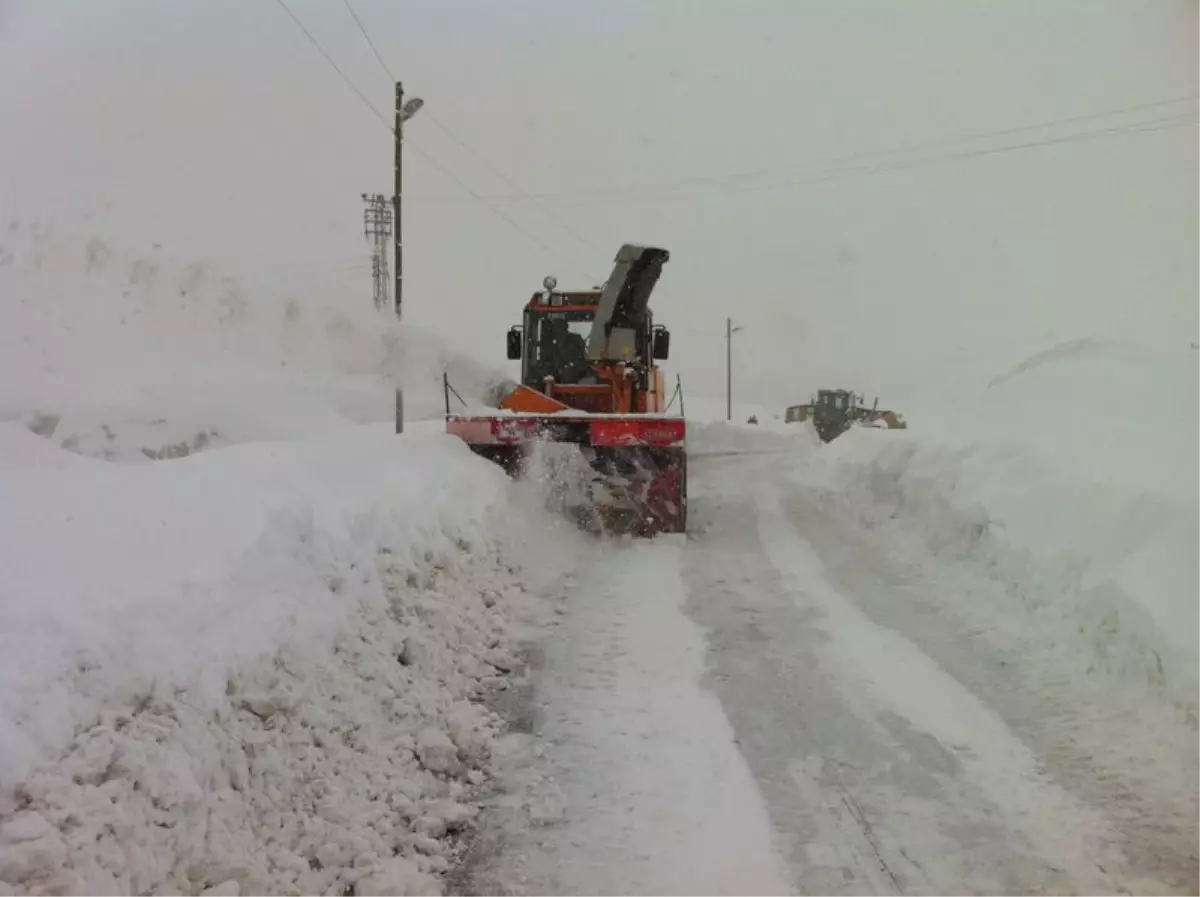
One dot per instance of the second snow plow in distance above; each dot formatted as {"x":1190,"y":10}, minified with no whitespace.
{"x":590,"y":379}
{"x":834,"y":411}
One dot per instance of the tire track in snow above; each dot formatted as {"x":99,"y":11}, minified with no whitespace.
{"x":802,"y":746}
{"x":880,"y":771}
{"x":1129,"y":759}
{"x":654,"y":795}
{"x":884,"y":672}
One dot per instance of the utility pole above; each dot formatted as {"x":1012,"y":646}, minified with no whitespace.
{"x":377,"y":226}
{"x":729,"y":369}
{"x":730,"y":330}
{"x":404,"y":111}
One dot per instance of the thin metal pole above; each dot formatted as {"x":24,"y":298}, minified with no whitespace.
{"x":398,"y":245}
{"x":729,"y":369}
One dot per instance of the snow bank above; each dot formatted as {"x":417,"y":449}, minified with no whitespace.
{"x":712,"y":409}
{"x":1071,"y":481}
{"x":131,"y":356}
{"x":709,"y":438}
{"x":251,"y":669}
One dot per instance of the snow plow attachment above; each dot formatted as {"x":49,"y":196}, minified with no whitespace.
{"x":637,"y":464}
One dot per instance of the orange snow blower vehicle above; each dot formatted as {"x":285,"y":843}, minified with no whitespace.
{"x":589,"y":379}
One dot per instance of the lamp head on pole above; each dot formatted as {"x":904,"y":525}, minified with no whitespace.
{"x":411,"y":108}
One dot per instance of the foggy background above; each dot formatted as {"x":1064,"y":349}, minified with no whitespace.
{"x":800,"y":160}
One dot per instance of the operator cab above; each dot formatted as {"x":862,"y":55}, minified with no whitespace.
{"x":835,"y":399}
{"x":552,"y":341}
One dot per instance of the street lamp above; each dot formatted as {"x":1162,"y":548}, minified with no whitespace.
{"x":730,"y":330}
{"x":404,"y":111}
{"x":411,"y":108}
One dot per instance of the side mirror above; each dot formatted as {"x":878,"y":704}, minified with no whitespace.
{"x":662,"y":344}
{"x":514,"y":344}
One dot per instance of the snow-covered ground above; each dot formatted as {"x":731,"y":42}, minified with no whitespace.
{"x":258,"y":665}
{"x":1069,"y":485}
{"x":253,"y":640}
{"x":631,"y":780}
{"x":899,"y":728}
{"x":246,"y":632}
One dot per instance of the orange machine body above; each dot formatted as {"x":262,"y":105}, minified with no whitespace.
{"x":589,"y":377}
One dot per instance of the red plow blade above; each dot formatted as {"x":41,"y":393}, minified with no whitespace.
{"x":639,"y":462}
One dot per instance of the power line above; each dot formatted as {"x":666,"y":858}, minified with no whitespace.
{"x":511,"y":183}
{"x":944,"y":158}
{"x":370,"y":43}
{"x":868,"y":170}
{"x":1141,"y":127}
{"x":428,"y":158}
{"x":335,"y":66}
{"x":449,"y":132}
{"x":450,"y":174}
{"x":718,"y":180}
{"x":964,"y":138}
{"x":838,"y":164}
{"x":924,"y":145}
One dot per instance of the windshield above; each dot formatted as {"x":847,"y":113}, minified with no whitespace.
{"x":559,"y":346}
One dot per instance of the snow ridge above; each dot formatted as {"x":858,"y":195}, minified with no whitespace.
{"x":1109,"y":570}
{"x":1068,"y":486}
{"x":255,"y":670}
{"x":321,"y":767}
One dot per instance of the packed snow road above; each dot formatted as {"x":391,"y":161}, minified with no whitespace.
{"x":779,"y":705}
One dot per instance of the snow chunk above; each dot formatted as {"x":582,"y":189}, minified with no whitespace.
{"x":24,"y":826}
{"x":436,"y":751}
{"x":32,"y":857}
{"x":229,"y":888}
{"x":396,"y":876}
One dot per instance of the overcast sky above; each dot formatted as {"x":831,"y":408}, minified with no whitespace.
{"x":868,"y":247}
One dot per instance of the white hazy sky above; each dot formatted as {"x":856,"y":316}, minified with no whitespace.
{"x":214,"y":128}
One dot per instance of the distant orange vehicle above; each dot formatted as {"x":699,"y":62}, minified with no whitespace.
{"x":589,"y":377}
